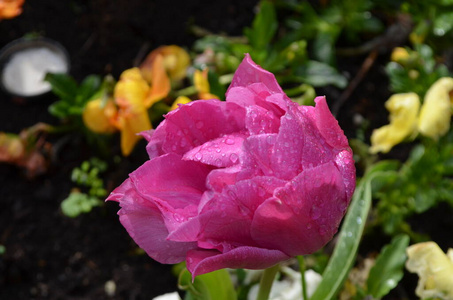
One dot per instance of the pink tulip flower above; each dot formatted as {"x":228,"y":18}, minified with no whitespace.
{"x":242,"y":183}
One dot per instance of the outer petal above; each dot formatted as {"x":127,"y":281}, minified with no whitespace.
{"x":435,"y":114}
{"x":173,"y":185}
{"x":403,"y":110}
{"x":328,"y":125}
{"x":249,"y":72}
{"x":144,"y":223}
{"x":204,"y":261}
{"x":305,"y":214}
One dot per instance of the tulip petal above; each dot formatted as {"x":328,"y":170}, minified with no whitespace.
{"x":310,"y":207}
{"x":144,"y":223}
{"x":221,"y":152}
{"x":328,"y":125}
{"x":226,"y":217}
{"x":204,"y":261}
{"x":249,"y":72}
{"x":198,"y":122}
{"x":174,"y":186}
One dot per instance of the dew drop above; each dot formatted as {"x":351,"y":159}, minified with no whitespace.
{"x":270,"y":140}
{"x":309,"y":226}
{"x":234,"y":157}
{"x":218,"y":150}
{"x":315,"y":212}
{"x":183,"y":143}
{"x":322,"y":230}
{"x":229,"y":141}
{"x":198,"y":156}
{"x":359,"y":220}
{"x":173,"y":147}
{"x":199,"y":124}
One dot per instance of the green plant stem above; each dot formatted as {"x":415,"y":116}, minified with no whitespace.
{"x":191,"y":90}
{"x":266,"y":282}
{"x":301,"y":261}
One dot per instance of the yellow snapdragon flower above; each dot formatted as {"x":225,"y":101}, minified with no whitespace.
{"x":403,"y":110}
{"x":175,"y":61}
{"x":407,"y":118}
{"x":98,"y":115}
{"x":131,"y":95}
{"x":435,"y":114}
{"x":434,"y":268}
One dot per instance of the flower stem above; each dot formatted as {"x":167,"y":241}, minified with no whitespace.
{"x":301,"y":261}
{"x":266,"y":282}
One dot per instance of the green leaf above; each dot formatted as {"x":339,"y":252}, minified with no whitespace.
{"x":319,"y":74}
{"x":388,"y":270}
{"x":216,"y":285}
{"x":78,"y":203}
{"x":442,"y":24}
{"x":264,"y":26}
{"x":63,"y":85}
{"x":89,"y":86}
{"x":348,"y":242}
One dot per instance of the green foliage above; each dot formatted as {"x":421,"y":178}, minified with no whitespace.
{"x":388,"y":269}
{"x":263,"y":28}
{"x":216,"y":285}
{"x":416,"y":73}
{"x":282,"y":54}
{"x":422,"y":181}
{"x":73,"y":97}
{"x":78,"y":203}
{"x":86,"y":176}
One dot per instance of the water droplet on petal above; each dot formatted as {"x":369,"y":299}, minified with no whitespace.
{"x":322,"y":230}
{"x":183,"y":143}
{"x":218,"y":150}
{"x":234,"y":157}
{"x":315,"y":212}
{"x":229,"y":141}
{"x":359,"y":220}
{"x":199,"y":124}
{"x":198,"y":156}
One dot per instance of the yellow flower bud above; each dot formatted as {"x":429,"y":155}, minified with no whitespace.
{"x":434,"y":268}
{"x":403,"y":110}
{"x":98,"y":115}
{"x":435,"y":114}
{"x":399,"y":54}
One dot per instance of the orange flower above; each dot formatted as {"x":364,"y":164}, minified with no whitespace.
{"x":175,"y":61}
{"x":200,"y":80}
{"x":133,"y":96}
{"x":10,"y":8}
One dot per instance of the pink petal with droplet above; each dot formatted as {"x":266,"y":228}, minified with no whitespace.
{"x":200,"y":121}
{"x":249,"y":72}
{"x":310,"y":207}
{"x":221,"y":152}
